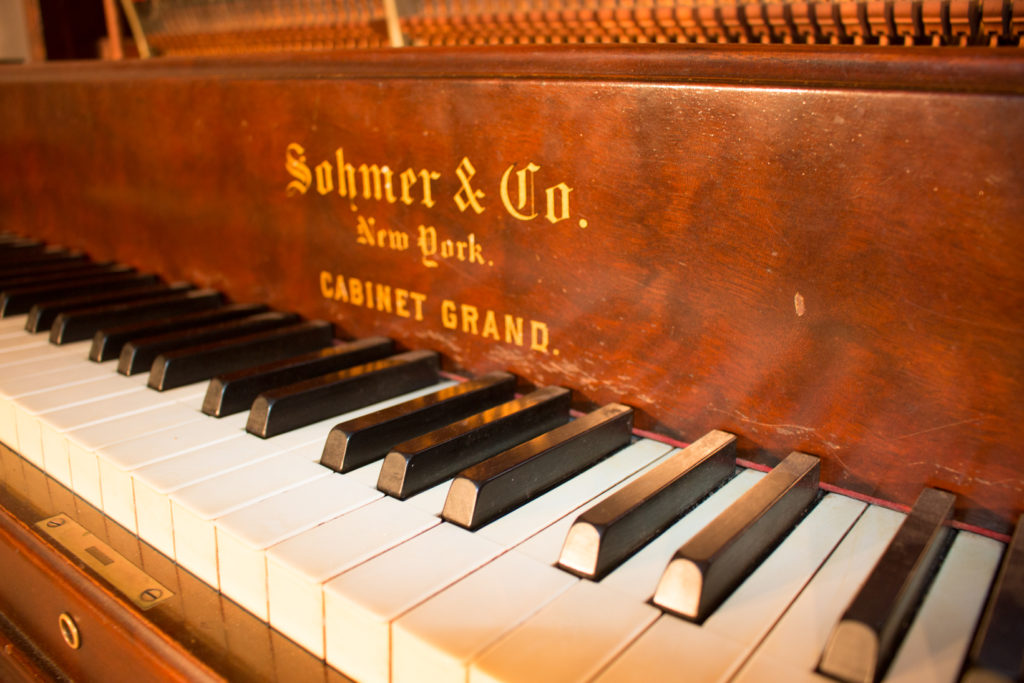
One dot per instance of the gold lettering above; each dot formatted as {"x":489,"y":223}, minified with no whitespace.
{"x":538,"y":336}
{"x":525,"y":178}
{"x":418,"y":300}
{"x":563,"y":192}
{"x":401,"y":296}
{"x":427,"y":242}
{"x":513,"y":330}
{"x":383,"y":295}
{"x":324,"y":177}
{"x":426,"y":176}
{"x":408,"y":178}
{"x":448,"y":316}
{"x":470,"y":314}
{"x":467,"y":197}
{"x":398,"y":240}
{"x":364,"y":228}
{"x":295,"y":164}
{"x":372,"y":295}
{"x":355,"y":289}
{"x":447,"y":249}
{"x":377,"y":183}
{"x":476,"y":251}
{"x":490,"y":326}
{"x":340,"y":291}
{"x":346,"y":176}
{"x":325,"y":285}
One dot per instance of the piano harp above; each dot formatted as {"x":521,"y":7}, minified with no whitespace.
{"x":814,"y":248}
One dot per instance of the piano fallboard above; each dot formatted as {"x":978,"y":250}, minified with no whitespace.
{"x":815,"y":249}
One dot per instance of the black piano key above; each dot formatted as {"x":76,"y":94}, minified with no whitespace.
{"x":108,"y":342}
{"x":705,"y":570}
{"x":195,"y":363}
{"x":42,"y":315}
{"x":16,"y":250}
{"x":297,"y":405}
{"x":487,"y":490}
{"x":84,"y":324}
{"x":56,"y":273}
{"x":997,"y":652}
{"x":26,"y":273}
{"x":608,"y":533}
{"x":416,"y":465}
{"x":234,"y":392}
{"x":17,"y":301}
{"x":138,"y":355}
{"x":864,"y":641}
{"x":363,"y":440}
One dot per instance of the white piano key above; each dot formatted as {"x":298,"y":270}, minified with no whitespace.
{"x":430,"y":616}
{"x":85,"y":443}
{"x":436,"y":641}
{"x":118,"y":461}
{"x":357,"y":630}
{"x":153,"y":484}
{"x":52,"y":362}
{"x":244,"y":535}
{"x":45,"y":363}
{"x":14,"y":323}
{"x":358,"y":607}
{"x":14,"y":386}
{"x":25,"y":340}
{"x":367,"y":475}
{"x":549,"y":507}
{"x":546,"y":546}
{"x":797,"y":640}
{"x":194,"y":508}
{"x":591,"y":624}
{"x":773,"y":670}
{"x":28,"y":410}
{"x":712,"y":651}
{"x":7,"y":332}
{"x":936,"y":645}
{"x":43,"y":353}
{"x":298,"y":567}
{"x":638,"y":576}
{"x":621,"y":597}
{"x":52,"y":378}
{"x":55,"y":425}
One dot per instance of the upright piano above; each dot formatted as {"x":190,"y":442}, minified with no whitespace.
{"x":800,"y":260}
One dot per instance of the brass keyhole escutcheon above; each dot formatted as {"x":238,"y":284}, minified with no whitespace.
{"x":69,"y":631}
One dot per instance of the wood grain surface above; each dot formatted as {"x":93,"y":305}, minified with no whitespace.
{"x":817,"y":250}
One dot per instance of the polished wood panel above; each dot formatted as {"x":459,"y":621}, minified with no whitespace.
{"x":815,"y":249}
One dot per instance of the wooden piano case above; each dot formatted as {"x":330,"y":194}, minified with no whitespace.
{"x":814,"y":248}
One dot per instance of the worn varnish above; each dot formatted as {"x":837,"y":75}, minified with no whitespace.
{"x":816,"y":250}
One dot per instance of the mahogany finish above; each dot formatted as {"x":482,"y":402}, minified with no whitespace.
{"x":817,"y":249}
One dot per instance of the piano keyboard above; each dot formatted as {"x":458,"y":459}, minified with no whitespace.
{"x":387,"y":589}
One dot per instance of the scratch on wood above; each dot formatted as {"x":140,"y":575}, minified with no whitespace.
{"x":940,"y":427}
{"x":787,"y":429}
